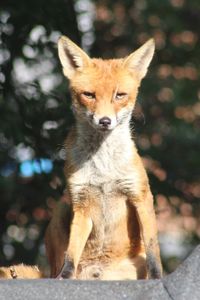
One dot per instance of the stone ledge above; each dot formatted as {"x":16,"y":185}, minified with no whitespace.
{"x":183,"y":284}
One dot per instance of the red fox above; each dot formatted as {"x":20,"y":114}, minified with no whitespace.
{"x":20,"y":272}
{"x":107,"y":227}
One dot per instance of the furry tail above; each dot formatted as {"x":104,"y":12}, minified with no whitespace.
{"x":20,"y":272}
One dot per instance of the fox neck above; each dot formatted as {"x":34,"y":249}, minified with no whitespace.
{"x":92,"y":139}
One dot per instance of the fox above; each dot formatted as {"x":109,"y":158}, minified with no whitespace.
{"x":20,"y":271}
{"x":106,"y":229}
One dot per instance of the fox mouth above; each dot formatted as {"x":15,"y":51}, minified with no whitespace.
{"x":104,"y":129}
{"x":101,"y":128}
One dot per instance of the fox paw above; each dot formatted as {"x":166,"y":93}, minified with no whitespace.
{"x":67,"y":271}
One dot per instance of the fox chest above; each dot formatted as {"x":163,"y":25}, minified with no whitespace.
{"x":104,"y":164}
{"x":104,"y":188}
{"x":104,"y":183}
{"x":104,"y":175}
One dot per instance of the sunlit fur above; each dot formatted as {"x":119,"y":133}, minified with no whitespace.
{"x":20,"y":272}
{"x":104,"y":79}
{"x":107,"y":227}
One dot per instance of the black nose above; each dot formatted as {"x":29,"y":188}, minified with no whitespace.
{"x":105,"y":121}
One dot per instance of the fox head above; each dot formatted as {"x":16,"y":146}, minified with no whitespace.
{"x":103,"y":91}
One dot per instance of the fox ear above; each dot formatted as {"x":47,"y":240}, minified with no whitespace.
{"x":140,"y":59}
{"x":71,"y":56}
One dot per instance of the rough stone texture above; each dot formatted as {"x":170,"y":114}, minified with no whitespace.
{"x":81,"y":290}
{"x":183,"y":284}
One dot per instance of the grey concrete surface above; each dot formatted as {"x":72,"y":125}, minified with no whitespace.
{"x":182,"y":284}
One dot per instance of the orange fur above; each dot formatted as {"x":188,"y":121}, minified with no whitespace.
{"x":107,"y":228}
{"x":20,"y":272}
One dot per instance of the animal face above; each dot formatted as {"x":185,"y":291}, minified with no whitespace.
{"x":103,"y":91}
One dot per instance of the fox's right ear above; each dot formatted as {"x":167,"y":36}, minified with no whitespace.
{"x":71,"y":56}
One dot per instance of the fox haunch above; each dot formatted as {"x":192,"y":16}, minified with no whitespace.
{"x":20,"y":271}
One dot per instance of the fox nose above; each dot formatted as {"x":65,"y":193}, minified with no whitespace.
{"x":105,"y":121}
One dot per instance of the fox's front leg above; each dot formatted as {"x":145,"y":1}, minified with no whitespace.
{"x":80,"y":230}
{"x":147,"y":220}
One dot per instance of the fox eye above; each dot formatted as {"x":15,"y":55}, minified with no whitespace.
{"x":120,"y":96}
{"x":89,"y":95}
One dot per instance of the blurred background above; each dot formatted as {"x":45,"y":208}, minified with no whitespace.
{"x":35,"y":113}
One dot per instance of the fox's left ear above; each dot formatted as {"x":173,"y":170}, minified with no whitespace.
{"x":139,"y":60}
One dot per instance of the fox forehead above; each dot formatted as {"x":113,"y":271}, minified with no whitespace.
{"x":104,"y":75}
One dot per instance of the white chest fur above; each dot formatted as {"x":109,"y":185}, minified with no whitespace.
{"x":105,"y":163}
